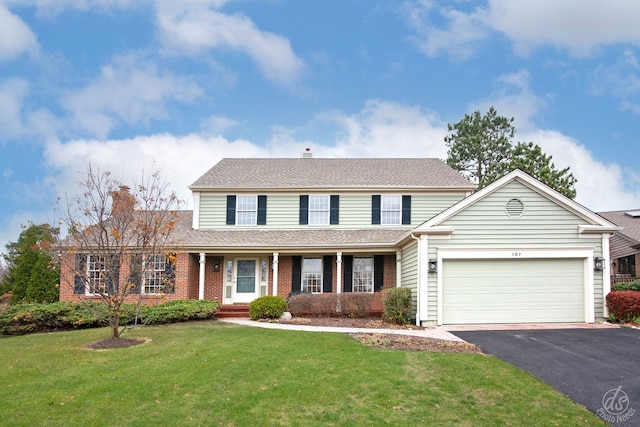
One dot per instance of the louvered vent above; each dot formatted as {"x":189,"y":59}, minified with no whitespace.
{"x":514,"y":208}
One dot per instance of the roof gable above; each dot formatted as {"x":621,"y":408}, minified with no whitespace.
{"x":313,"y":173}
{"x":595,"y":222}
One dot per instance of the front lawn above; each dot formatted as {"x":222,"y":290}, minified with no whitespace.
{"x":212,"y":373}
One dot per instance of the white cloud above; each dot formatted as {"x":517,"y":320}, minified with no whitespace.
{"x":12,"y":95}
{"x":130,"y":90}
{"x":193,"y":27}
{"x":514,"y":98}
{"x":621,"y":80}
{"x":600,"y":187}
{"x":460,"y":37}
{"x":388,"y":129}
{"x":15,"y":36}
{"x":580,"y":28}
{"x":217,"y":125}
{"x":181,"y":159}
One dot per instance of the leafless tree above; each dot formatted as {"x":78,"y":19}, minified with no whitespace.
{"x":119,"y":240}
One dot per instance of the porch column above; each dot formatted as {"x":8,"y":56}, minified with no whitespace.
{"x":275,"y":273}
{"x":339,"y":272}
{"x":203,"y":261}
{"x":398,"y":269}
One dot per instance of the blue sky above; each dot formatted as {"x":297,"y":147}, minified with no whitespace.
{"x":133,"y":85}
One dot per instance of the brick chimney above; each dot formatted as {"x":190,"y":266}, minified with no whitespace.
{"x":122,"y":201}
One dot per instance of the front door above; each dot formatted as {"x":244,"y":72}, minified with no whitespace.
{"x":246,"y":286}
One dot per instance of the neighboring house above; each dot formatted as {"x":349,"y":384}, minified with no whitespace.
{"x":513,"y":252}
{"x":625,"y":245}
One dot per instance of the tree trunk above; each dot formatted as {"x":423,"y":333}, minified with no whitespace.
{"x":115,"y":328}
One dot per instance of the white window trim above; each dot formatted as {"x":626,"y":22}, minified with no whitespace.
{"x":146,"y":271}
{"x":89,"y":282}
{"x":255,"y":198}
{"x":382,"y":210}
{"x":321,"y":274}
{"x":372,"y":274}
{"x":327,"y":219}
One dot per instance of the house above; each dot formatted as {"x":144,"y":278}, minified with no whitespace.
{"x":514,"y":252}
{"x":625,"y":245}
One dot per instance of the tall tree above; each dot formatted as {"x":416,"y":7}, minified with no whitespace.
{"x":111,"y":226}
{"x":481,"y":148}
{"x":480,"y":145}
{"x":32,"y":275}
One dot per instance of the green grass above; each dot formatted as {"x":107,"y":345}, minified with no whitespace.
{"x":212,"y":373}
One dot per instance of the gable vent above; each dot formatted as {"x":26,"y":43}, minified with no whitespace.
{"x":514,"y":208}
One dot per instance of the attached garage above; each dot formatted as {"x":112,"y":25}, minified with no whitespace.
{"x":513,"y":290}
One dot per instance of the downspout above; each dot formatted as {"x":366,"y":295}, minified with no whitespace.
{"x":417,"y":239}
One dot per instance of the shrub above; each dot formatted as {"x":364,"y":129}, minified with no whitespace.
{"x":398,"y":307}
{"x":267,"y":307}
{"x":624,"y":305}
{"x":179,"y":311}
{"x":29,"y":318}
{"x":356,"y":304}
{"x":626,"y":286}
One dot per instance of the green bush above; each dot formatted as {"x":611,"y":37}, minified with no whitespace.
{"x":179,"y":311}
{"x":267,"y":307}
{"x":347,"y":304}
{"x":626,"y":286}
{"x":28,"y":318}
{"x":398,"y":307}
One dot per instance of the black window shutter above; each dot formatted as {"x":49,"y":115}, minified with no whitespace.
{"x":113,"y":275}
{"x":347,"y":266}
{"x":327,"y":274}
{"x":231,"y":210}
{"x":296,"y":273}
{"x":170,"y":273}
{"x":304,"y":209}
{"x":406,"y":209}
{"x":135,"y":273}
{"x":378,"y":272}
{"x":334,"y":213}
{"x":375,"y":209}
{"x":262,"y":210}
{"x":80,"y":274}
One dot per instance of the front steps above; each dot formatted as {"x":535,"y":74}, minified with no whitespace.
{"x":233,"y":310}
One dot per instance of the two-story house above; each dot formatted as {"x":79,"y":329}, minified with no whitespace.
{"x":514,"y":252}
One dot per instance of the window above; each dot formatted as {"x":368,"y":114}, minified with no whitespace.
{"x":391,"y":210}
{"x":362,"y":274}
{"x":158,"y":274}
{"x":96,"y":275}
{"x":318,"y":210}
{"x":312,"y":275}
{"x":246,"y":210}
{"x":627,"y":265}
{"x":154,"y":278}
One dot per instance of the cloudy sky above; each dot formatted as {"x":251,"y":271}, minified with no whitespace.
{"x":139,"y":85}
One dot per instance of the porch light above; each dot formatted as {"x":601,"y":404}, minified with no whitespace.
{"x":216,"y":265}
{"x":598,"y":263}
{"x":433,"y":265}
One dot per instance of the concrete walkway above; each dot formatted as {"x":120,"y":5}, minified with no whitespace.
{"x":436,"y":332}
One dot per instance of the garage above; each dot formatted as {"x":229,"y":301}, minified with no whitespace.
{"x":513,"y":290}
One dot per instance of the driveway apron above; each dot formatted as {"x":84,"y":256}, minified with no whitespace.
{"x":599,"y":368}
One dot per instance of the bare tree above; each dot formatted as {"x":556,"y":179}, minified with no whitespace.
{"x":118,"y":240}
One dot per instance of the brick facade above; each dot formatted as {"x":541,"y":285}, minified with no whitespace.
{"x":187,"y":276}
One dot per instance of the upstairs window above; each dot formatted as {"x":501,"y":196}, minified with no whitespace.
{"x":318,"y":210}
{"x":246,"y":210}
{"x":391,"y":210}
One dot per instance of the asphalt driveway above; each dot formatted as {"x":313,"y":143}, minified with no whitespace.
{"x":599,"y":368}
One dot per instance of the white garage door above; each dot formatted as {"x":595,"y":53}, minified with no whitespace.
{"x":513,"y":291}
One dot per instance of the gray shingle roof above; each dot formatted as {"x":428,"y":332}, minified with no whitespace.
{"x":185,"y":236}
{"x":630,"y":223}
{"x":297,"y":173}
